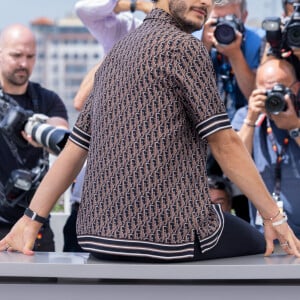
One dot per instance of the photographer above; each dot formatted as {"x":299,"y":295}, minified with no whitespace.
{"x":269,"y":127}
{"x":235,"y":51}
{"x":282,"y":34}
{"x":21,"y":156}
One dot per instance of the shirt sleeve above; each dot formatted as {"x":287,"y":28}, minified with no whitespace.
{"x":106,"y":26}
{"x":197,"y":82}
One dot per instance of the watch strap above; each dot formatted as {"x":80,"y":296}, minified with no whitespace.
{"x":133,"y":5}
{"x":34,"y":216}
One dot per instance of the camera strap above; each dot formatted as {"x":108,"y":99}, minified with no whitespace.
{"x":32,"y":93}
{"x":279,"y":158}
{"x":13,"y":148}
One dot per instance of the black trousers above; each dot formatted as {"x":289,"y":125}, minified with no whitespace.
{"x":69,"y":231}
{"x":44,"y":241}
{"x":239,"y":238}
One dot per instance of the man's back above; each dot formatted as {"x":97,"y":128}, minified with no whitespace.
{"x":149,"y":155}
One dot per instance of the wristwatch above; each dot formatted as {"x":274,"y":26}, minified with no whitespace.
{"x":294,"y":133}
{"x":34,"y":216}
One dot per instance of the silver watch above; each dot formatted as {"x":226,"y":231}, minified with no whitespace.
{"x":294,"y":133}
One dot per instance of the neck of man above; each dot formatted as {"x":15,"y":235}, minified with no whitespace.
{"x":13,"y":89}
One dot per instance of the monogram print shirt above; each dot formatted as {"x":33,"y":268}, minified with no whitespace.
{"x":145,"y":124}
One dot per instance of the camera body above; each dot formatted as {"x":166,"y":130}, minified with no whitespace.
{"x":23,"y":182}
{"x":291,"y":30}
{"x":14,"y":119}
{"x":284,"y":38}
{"x":275,"y":102}
{"x":226,"y":28}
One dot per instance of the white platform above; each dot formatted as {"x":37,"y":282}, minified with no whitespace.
{"x":77,"y":276}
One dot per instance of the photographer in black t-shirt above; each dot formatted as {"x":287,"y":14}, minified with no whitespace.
{"x":23,"y":160}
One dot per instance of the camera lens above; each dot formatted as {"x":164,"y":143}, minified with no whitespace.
{"x":275,"y":103}
{"x":49,"y":136}
{"x":293,"y":35}
{"x":225,"y":33}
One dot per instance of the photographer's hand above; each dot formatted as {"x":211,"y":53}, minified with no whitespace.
{"x":256,"y":104}
{"x":29,"y":139}
{"x":256,"y":107}
{"x":232,"y":49}
{"x":287,"y":119}
{"x":208,"y":33}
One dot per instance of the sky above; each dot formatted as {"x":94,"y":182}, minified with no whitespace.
{"x":24,"y":11}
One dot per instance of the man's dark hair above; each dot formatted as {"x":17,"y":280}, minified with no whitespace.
{"x":220,"y":183}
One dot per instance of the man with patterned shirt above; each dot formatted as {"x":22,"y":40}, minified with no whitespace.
{"x":145,"y":195}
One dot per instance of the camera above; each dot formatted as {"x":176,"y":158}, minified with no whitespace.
{"x":286,"y":37}
{"x":49,"y":136}
{"x":14,"y":119}
{"x":22,"y":183}
{"x":275,"y":102}
{"x":226,"y":28}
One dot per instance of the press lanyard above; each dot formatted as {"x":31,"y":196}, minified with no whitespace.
{"x":279,"y":158}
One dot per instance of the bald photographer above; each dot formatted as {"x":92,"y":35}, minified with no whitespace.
{"x":33,"y":122}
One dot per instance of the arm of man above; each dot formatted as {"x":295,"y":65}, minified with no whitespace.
{"x":125,"y":5}
{"x":234,"y":159}
{"x":245,"y":76}
{"x":103,"y":23}
{"x":57,"y":180}
{"x":288,"y":119}
{"x":256,"y":108}
{"x":85,"y":88}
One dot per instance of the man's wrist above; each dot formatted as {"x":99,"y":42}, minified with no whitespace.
{"x":34,"y":216}
{"x":133,"y":5}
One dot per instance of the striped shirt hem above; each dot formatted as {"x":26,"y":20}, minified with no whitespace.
{"x":136,"y":248}
{"x":211,"y":241}
{"x":213,"y":124}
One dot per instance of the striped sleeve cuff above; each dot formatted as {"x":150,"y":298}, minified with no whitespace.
{"x":213,"y":124}
{"x":80,"y":138}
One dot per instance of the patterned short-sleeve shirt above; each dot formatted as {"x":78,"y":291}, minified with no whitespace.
{"x":145,"y":125}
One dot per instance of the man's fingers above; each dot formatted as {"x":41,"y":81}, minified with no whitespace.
{"x":269,"y":248}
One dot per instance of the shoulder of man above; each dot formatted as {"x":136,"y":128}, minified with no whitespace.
{"x":254,"y":34}
{"x":36,"y":90}
{"x":49,"y":102}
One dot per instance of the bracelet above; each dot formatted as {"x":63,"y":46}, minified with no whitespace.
{"x":272,"y":218}
{"x":34,"y":216}
{"x":280,"y":222}
{"x":133,"y":6}
{"x":248,"y":123}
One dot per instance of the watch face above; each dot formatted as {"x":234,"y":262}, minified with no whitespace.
{"x":294,"y":133}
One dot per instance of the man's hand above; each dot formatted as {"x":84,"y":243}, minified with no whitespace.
{"x":21,"y":237}
{"x":287,"y":119}
{"x":256,"y":104}
{"x":283,"y":233}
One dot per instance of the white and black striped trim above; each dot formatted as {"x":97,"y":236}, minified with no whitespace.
{"x":136,"y":248}
{"x":211,"y":241}
{"x":80,"y":138}
{"x":213,"y":124}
